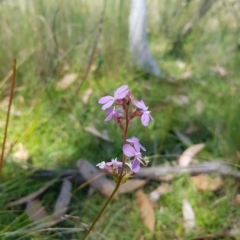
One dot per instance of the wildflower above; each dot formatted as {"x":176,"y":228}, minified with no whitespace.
{"x":130,"y":151}
{"x":110,"y":167}
{"x":119,"y":94}
{"x":136,"y":143}
{"x":104,"y":166}
{"x":114,"y":162}
{"x":135,"y":166}
{"x":146,"y":116}
{"x":112,"y":113}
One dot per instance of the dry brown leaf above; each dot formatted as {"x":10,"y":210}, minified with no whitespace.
{"x":32,"y":195}
{"x":186,"y":157}
{"x":237,"y":199}
{"x":156,"y":194}
{"x":35,"y":210}
{"x":63,"y":200}
{"x":146,"y":210}
{"x":86,"y":95}
{"x":204,"y":182}
{"x":188,"y":215}
{"x":131,"y":185}
{"x":98,"y":134}
{"x":100,"y":182}
{"x":66,"y":81}
{"x":21,"y":155}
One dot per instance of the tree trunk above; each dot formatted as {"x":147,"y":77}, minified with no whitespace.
{"x":138,"y":38}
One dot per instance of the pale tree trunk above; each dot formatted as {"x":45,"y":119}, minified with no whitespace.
{"x":138,"y":38}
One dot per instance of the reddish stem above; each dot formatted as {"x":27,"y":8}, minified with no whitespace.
{"x":8,"y":112}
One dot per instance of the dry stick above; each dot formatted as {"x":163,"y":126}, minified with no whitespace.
{"x":8,"y":112}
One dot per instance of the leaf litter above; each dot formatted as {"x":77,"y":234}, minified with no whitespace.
{"x":146,"y":210}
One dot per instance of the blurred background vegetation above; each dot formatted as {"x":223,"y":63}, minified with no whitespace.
{"x":197,"y":45}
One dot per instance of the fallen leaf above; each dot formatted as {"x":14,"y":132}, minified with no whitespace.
{"x":146,"y":210}
{"x":188,"y":215}
{"x":237,"y":199}
{"x":98,"y":134}
{"x":63,"y":199}
{"x":32,"y":195}
{"x":21,"y":155}
{"x":86,"y":95}
{"x":35,"y":210}
{"x":158,"y":192}
{"x":66,"y":81}
{"x":204,"y":182}
{"x":131,"y":185}
{"x":95,"y":178}
{"x":186,"y":157}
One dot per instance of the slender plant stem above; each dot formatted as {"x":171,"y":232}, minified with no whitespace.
{"x":125,"y":132}
{"x":8,"y":112}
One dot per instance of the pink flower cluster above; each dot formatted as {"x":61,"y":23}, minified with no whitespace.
{"x":121,"y":96}
{"x":118,"y":107}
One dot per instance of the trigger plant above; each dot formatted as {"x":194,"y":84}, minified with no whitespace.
{"x":122,"y":109}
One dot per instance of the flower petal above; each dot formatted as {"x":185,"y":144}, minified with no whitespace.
{"x":101,"y":165}
{"x":141,"y":105}
{"x":135,"y":166}
{"x":108,"y":104}
{"x":145,"y":119}
{"x":120,"y":95}
{"x":128,"y":150}
{"x":142,"y":147}
{"x":121,"y":89}
{"x":130,"y":140}
{"x":108,"y":118}
{"x":105,"y":99}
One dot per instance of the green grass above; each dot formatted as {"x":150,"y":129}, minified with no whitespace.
{"x":43,"y":37}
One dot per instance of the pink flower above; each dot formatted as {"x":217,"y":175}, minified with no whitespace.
{"x":115,"y":162}
{"x":119,"y":94}
{"x":135,"y":166}
{"x":146,"y":116}
{"x":104,"y":166}
{"x":130,"y":151}
{"x":112,"y":113}
{"x":136,"y":144}
{"x":107,"y":166}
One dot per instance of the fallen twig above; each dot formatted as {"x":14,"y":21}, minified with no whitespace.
{"x":154,"y":172}
{"x":206,"y":167}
